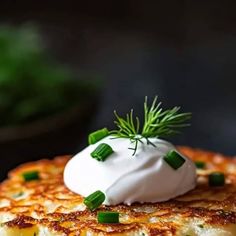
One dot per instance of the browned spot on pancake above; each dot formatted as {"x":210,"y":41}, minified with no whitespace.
{"x":21,"y":222}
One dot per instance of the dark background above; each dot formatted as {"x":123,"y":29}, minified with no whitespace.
{"x":184,"y":51}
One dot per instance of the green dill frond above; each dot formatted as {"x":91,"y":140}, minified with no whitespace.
{"x":157,"y":124}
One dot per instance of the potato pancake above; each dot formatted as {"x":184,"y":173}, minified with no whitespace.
{"x":46,"y":207}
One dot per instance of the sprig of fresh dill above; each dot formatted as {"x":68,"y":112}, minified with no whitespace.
{"x":158,"y":123}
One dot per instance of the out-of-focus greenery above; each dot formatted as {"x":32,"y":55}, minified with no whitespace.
{"x":32,"y":86}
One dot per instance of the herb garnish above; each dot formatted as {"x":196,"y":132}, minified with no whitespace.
{"x":94,"y":200}
{"x":108,"y":217}
{"x":102,"y":151}
{"x":158,"y":123}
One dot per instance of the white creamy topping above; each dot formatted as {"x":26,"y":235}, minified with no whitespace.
{"x":144,"y":177}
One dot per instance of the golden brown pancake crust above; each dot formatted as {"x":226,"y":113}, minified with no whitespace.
{"x":48,"y":203}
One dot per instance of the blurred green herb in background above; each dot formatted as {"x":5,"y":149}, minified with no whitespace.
{"x":32,"y":86}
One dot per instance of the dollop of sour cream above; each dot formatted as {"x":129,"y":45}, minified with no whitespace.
{"x":144,"y":177}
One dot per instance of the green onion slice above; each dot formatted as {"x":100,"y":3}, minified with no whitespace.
{"x":94,"y":200}
{"x":174,"y":159}
{"x":200,"y":164}
{"x":102,"y":151}
{"x":216,"y":179}
{"x":97,"y":135}
{"x":30,"y":175}
{"x":108,"y":217}
{"x":19,"y":194}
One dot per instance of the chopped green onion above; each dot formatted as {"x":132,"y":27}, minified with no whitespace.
{"x":108,"y":217}
{"x":94,"y":200}
{"x":216,"y":179}
{"x":102,"y":151}
{"x":200,"y":164}
{"x":30,"y":175}
{"x":97,"y":135}
{"x":19,"y":194}
{"x":174,"y":159}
